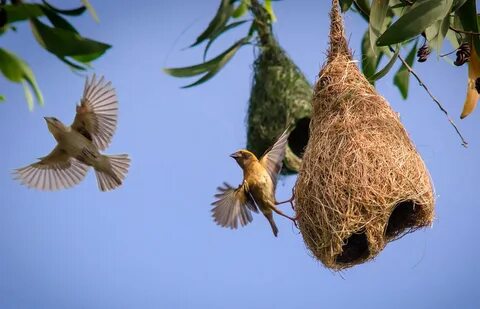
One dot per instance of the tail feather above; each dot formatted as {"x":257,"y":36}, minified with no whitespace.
{"x":111,"y":178}
{"x":272,"y":224}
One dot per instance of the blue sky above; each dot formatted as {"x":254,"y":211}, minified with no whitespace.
{"x":152,"y":243}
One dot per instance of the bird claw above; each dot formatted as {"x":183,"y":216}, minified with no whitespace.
{"x":295,"y":222}
{"x":290,"y":200}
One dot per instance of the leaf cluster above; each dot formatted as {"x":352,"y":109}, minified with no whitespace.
{"x":59,"y":37}
{"x":403,"y":23}
{"x":230,"y":14}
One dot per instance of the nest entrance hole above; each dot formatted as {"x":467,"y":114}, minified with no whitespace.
{"x":298,"y":138}
{"x":404,"y":216}
{"x":354,"y":249}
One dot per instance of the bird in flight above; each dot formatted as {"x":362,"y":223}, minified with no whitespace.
{"x":79,"y":145}
{"x":234,"y":206}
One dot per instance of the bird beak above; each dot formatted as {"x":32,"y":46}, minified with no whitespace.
{"x":47,"y":119}
{"x":235,"y":155}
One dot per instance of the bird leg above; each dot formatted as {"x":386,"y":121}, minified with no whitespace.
{"x":290,"y":200}
{"x":294,"y":220}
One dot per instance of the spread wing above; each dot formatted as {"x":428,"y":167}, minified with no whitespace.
{"x":272,"y":160}
{"x":97,"y":113}
{"x":233,"y":206}
{"x":53,"y":172}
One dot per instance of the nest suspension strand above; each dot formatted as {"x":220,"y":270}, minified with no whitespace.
{"x":362,"y":183}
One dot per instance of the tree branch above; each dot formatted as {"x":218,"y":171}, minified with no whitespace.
{"x":409,"y":68}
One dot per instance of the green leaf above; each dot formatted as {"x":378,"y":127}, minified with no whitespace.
{"x":210,"y":67}
{"x":218,"y":22}
{"x":87,"y":58}
{"x":269,"y":8}
{"x":436,"y":33}
{"x":71,"y":64}
{"x":28,"y":96}
{"x":2,"y":98}
{"x":402,"y":77}
{"x":421,"y":15}
{"x":71,"y":12}
{"x":457,"y":4}
{"x":363,"y":7}
{"x":468,"y":17}
{"x":370,"y":60}
{"x":19,"y":12}
{"x":192,"y":70}
{"x":90,"y":9}
{"x":205,"y":66}
{"x":62,"y":42}
{"x":377,"y":23}
{"x":57,"y":20}
{"x":399,"y":5}
{"x":387,"y":67}
{"x":16,"y":70}
{"x":225,"y":29}
{"x":241,"y":9}
{"x":345,"y":5}
{"x":453,"y":39}
{"x":204,"y":78}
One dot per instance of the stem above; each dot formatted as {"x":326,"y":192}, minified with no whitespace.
{"x":262,"y":21}
{"x":463,"y":31}
{"x":449,"y":53}
{"x":409,"y":68}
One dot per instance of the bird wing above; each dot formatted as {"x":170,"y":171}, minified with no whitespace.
{"x":233,"y":206}
{"x":55,"y":171}
{"x":272,"y":160}
{"x":96,"y":117}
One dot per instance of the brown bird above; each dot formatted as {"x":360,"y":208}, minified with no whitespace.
{"x":257,"y":191}
{"x":79,"y":145}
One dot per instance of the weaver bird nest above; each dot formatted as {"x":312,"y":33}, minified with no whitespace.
{"x":362,"y":183}
{"x":280,"y":97}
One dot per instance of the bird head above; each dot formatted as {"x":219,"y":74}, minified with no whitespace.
{"x":55,"y":126}
{"x":243,"y":157}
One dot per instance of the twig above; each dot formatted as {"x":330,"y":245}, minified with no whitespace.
{"x":463,"y":31}
{"x":409,"y":68}
{"x":444,"y":55}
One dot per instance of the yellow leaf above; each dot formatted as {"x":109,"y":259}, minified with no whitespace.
{"x":472,"y":93}
{"x":269,"y":8}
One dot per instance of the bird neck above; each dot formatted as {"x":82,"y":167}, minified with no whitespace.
{"x":249,"y":166}
{"x":57,"y":133}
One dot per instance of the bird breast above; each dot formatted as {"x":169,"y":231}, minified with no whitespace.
{"x":78,"y":146}
{"x":260,"y":184}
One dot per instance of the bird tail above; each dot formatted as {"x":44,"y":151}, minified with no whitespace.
{"x":112,"y":171}
{"x":272,"y":223}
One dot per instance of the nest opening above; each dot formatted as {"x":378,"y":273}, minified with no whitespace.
{"x":298,"y":138}
{"x":405,"y":216}
{"x":354,"y":249}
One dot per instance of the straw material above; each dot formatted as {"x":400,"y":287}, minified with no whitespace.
{"x":361,"y":183}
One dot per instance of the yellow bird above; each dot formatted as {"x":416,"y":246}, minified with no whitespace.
{"x":79,"y":145}
{"x":257,"y":191}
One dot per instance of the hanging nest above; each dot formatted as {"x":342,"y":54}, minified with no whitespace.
{"x":280,"y":97}
{"x":362,"y":183}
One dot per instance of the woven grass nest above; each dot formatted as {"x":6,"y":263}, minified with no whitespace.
{"x":362,"y":183}
{"x":280,"y":97}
